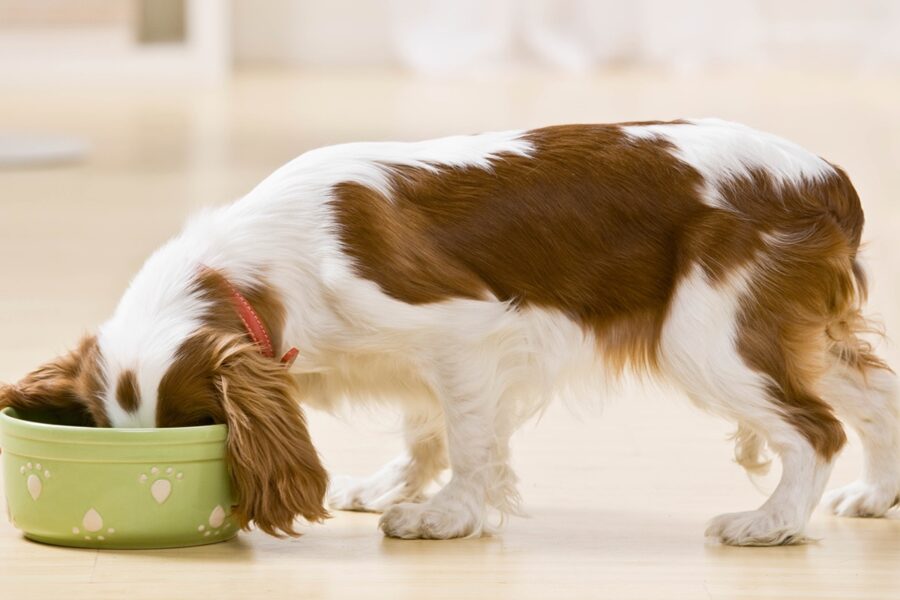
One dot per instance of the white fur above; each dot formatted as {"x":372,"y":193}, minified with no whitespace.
{"x":366,"y":162}
{"x":720,"y":150}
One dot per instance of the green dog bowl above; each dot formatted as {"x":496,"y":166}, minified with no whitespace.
{"x":115,"y":488}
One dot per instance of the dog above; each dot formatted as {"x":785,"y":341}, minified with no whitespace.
{"x":471,"y":279}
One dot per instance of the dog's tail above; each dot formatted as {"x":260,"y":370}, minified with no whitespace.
{"x":849,"y":328}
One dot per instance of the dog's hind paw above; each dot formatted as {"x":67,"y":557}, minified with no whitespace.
{"x":862,"y":499}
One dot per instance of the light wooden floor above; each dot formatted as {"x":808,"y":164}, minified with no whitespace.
{"x":618,"y":500}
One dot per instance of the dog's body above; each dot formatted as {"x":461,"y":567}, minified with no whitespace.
{"x":472,"y":278}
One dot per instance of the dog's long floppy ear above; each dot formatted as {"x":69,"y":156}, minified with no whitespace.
{"x":67,"y":387}
{"x":275,"y":469}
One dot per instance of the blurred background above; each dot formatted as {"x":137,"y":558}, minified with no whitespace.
{"x":120,"y":117}
{"x":207,"y":38}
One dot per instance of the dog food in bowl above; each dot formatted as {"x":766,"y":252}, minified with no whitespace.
{"x":115,"y":488}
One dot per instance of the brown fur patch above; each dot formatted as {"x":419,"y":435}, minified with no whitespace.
{"x":602,"y":227}
{"x":69,"y":386}
{"x":127,"y":394}
{"x":219,"y":376}
{"x":585,"y":228}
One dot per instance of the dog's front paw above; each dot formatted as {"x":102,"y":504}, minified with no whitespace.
{"x":862,"y":499}
{"x":371,"y":494}
{"x":345,"y":493}
{"x":755,"y":528}
{"x":429,"y":520}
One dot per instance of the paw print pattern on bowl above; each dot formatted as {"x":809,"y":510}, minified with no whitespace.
{"x":161,"y":484}
{"x":92,"y":527}
{"x":216,"y":523}
{"x":34,"y":481}
{"x":94,"y":483}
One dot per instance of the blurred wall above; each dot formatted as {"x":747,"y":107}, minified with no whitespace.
{"x":312,"y":32}
{"x":133,"y":41}
{"x":63,"y":13}
{"x":443,"y":35}
{"x":201,"y":39}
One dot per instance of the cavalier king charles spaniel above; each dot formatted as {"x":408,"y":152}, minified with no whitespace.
{"x":471,"y":279}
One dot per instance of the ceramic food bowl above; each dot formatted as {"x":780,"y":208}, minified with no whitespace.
{"x":115,"y":488}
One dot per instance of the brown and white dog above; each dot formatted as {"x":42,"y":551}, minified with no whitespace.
{"x":470,"y":279}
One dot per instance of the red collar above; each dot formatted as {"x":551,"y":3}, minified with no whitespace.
{"x":256,"y":329}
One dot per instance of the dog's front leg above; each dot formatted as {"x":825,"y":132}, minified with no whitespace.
{"x":470,"y":396}
{"x":405,"y":478}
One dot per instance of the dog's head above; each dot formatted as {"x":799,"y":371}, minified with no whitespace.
{"x":213,"y":374}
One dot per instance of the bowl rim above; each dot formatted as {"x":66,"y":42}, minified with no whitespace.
{"x":14,"y":425}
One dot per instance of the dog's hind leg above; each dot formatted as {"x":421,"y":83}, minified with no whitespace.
{"x":864,"y":392}
{"x":783,"y":516}
{"x":742,"y":368}
{"x":403,"y":479}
